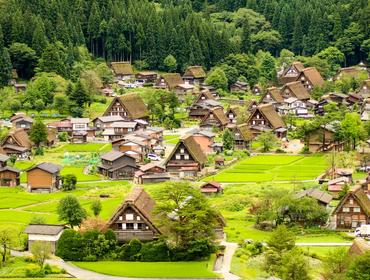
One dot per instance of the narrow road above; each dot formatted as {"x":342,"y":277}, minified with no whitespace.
{"x":224,"y":270}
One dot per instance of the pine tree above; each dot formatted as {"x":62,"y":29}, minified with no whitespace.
{"x":39,"y":40}
{"x":246,"y":37}
{"x":5,"y":68}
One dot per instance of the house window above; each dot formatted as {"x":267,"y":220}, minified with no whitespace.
{"x":135,"y":226}
{"x":253,"y":122}
{"x":178,"y":156}
{"x":138,"y":218}
{"x":351,"y":201}
{"x":263,"y":122}
{"x":123,"y":226}
{"x":129,"y":226}
{"x":341,"y":222}
{"x":356,"y":210}
{"x":120,"y":218}
{"x":182,"y":150}
{"x":258,"y":116}
{"x":129,"y":217}
{"x":345,"y":209}
{"x":186,"y":156}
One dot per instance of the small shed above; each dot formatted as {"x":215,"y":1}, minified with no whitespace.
{"x":47,"y":233}
{"x":219,"y":161}
{"x":211,"y":187}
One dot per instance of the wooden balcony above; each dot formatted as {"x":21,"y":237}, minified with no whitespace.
{"x":126,"y":235}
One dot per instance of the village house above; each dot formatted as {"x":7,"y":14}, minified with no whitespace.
{"x":336,"y":97}
{"x":81,"y":130}
{"x":251,"y":105}
{"x":130,"y":106}
{"x":353,"y":210}
{"x":323,"y":140}
{"x":232,"y":114}
{"x":321,"y":197}
{"x":239,"y":86}
{"x":219,"y":161}
{"x":310,"y":78}
{"x":122,"y":70}
{"x":272,"y":96}
{"x":187,"y":159}
{"x":108,"y":92}
{"x":335,"y":186}
{"x":134,"y":218}
{"x":117,"y":165}
{"x":211,"y":188}
{"x":9,"y":176}
{"x":146,"y":77}
{"x":45,"y":233}
{"x":63,"y":125}
{"x":365,"y":88}
{"x":354,"y":98}
{"x":203,"y":138}
{"x":256,"y":90}
{"x":204,"y":103}
{"x":134,"y":145}
{"x":215,"y":118}
{"x":265,"y":118}
{"x":242,"y":136}
{"x":44,"y":177}
{"x":169,"y":81}
{"x":296,"y":90}
{"x":291,"y":73}
{"x":18,"y":143}
{"x":354,"y":72}
{"x":294,"y":107}
{"x":151,"y":173}
{"x":211,"y":89}
{"x":119,"y":129}
{"x":24,"y":122}
{"x":194,"y":75}
{"x":20,"y":87}
{"x":103,"y":122}
{"x":182,"y":90}
{"x":51,"y":137}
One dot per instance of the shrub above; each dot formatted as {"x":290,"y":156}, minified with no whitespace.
{"x":131,"y":251}
{"x":39,"y":151}
{"x":70,"y":246}
{"x":69,"y":182}
{"x":90,"y":258}
{"x":196,"y":250}
{"x":63,"y":136}
{"x":34,"y":271}
{"x":156,"y":251}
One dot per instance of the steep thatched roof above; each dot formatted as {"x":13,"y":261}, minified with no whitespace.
{"x":244,"y":131}
{"x":122,"y":68}
{"x":358,"y":194}
{"x":193,"y":148}
{"x":134,"y":105}
{"x":271,"y":115}
{"x":359,"y":247}
{"x":141,"y":203}
{"x":196,"y":72}
{"x":20,"y":137}
{"x":219,"y":114}
{"x":316,"y":194}
{"x":172,"y":79}
{"x":275,"y":94}
{"x":298,"y":90}
{"x":313,"y":76}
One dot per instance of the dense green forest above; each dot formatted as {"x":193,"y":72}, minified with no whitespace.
{"x":45,"y":33}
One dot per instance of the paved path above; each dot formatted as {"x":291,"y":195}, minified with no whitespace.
{"x":230,"y":249}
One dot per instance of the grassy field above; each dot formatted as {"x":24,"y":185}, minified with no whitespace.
{"x":265,"y":168}
{"x":171,"y":139}
{"x":201,"y":269}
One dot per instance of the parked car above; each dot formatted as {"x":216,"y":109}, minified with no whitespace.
{"x":153,"y":157}
{"x":363,"y":231}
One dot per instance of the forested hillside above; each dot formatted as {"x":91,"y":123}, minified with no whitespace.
{"x":194,"y":32}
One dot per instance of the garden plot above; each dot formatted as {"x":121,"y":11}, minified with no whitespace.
{"x":273,"y":168}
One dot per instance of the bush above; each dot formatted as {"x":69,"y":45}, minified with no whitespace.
{"x":280,"y":151}
{"x":70,"y":246}
{"x":90,"y":258}
{"x":131,"y":251}
{"x":197,"y":250}
{"x":69,"y":182}
{"x":39,"y":151}
{"x":156,"y":251}
{"x":63,"y":136}
{"x":34,"y":271}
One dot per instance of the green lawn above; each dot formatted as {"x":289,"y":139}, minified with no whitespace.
{"x":86,"y":147}
{"x":319,"y":251}
{"x":264,"y":168}
{"x":171,"y":139}
{"x":201,"y":269}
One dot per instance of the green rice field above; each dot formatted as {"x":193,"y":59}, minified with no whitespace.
{"x":264,"y":168}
